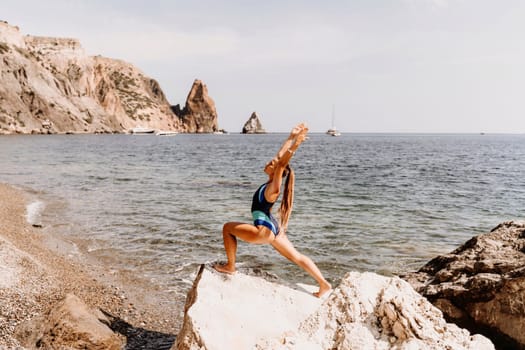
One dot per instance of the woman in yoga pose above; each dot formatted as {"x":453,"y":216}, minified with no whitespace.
{"x":265,"y":228}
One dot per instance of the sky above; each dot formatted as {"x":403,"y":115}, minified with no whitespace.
{"x":418,"y":66}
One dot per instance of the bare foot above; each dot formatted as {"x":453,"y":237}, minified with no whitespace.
{"x":224,"y":268}
{"x":323,"y":289}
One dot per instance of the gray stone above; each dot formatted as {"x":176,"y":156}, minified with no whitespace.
{"x":253,"y":125}
{"x":481,"y":284}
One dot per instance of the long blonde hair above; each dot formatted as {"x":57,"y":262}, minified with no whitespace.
{"x":287,"y":202}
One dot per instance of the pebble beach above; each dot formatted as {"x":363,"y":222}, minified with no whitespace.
{"x":33,"y":277}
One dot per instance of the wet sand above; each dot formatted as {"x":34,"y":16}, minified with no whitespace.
{"x":33,"y":277}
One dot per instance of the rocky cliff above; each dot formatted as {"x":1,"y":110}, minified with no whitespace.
{"x":199,"y":114}
{"x":50,"y":85}
{"x":253,"y":125}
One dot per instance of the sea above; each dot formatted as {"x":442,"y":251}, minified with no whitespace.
{"x":154,"y":206}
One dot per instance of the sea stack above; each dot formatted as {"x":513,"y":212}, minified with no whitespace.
{"x":253,"y":125}
{"x":199,"y":114}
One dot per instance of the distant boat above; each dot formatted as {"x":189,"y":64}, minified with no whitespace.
{"x":333,"y":130}
{"x":166,"y":133}
{"x":140,"y":130}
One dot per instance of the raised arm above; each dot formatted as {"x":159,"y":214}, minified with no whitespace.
{"x":296,"y":137}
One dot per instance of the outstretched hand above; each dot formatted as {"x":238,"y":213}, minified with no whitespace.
{"x":297,"y":136}
{"x":298,"y":130}
{"x":298,"y":133}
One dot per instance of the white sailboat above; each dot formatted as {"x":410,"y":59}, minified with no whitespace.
{"x":333,"y":130}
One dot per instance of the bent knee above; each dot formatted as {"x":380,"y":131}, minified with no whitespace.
{"x":228,"y":227}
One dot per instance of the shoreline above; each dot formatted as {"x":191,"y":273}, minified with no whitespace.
{"x":34,"y":277}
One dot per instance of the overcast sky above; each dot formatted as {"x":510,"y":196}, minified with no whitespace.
{"x":385,"y":65}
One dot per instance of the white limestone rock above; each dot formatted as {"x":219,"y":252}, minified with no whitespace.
{"x":366,"y":311}
{"x":369,"y":311}
{"x":237,"y":311}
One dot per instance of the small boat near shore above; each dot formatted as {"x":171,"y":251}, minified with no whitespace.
{"x":166,"y":133}
{"x":142,"y":131}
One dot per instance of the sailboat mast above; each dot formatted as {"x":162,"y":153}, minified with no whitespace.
{"x":333,"y":116}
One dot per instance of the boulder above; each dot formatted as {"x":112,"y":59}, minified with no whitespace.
{"x":199,"y":114}
{"x":70,"y":324}
{"x":366,"y":311}
{"x":253,"y":125}
{"x":481,"y":284}
{"x":235,"y":311}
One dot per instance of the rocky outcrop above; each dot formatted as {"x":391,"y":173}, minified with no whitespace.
{"x":244,"y":309}
{"x":71,"y":324}
{"x":49,"y":85}
{"x":366,"y":311}
{"x":481,"y":285}
{"x":199,"y":114}
{"x":253,"y":125}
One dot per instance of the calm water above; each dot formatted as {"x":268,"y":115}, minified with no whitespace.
{"x":377,"y":202}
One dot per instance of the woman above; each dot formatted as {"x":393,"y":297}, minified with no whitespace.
{"x":265,"y":228}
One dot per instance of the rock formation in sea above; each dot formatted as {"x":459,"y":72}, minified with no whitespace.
{"x":253,"y":125}
{"x":366,"y":311}
{"x":481,"y":284}
{"x":199,"y":114}
{"x":50,"y":85}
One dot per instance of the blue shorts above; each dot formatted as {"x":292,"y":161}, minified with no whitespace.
{"x":260,"y":218}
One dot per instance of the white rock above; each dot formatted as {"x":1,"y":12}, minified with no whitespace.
{"x":366,"y":311}
{"x":236,"y":311}
{"x":369,"y":311}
